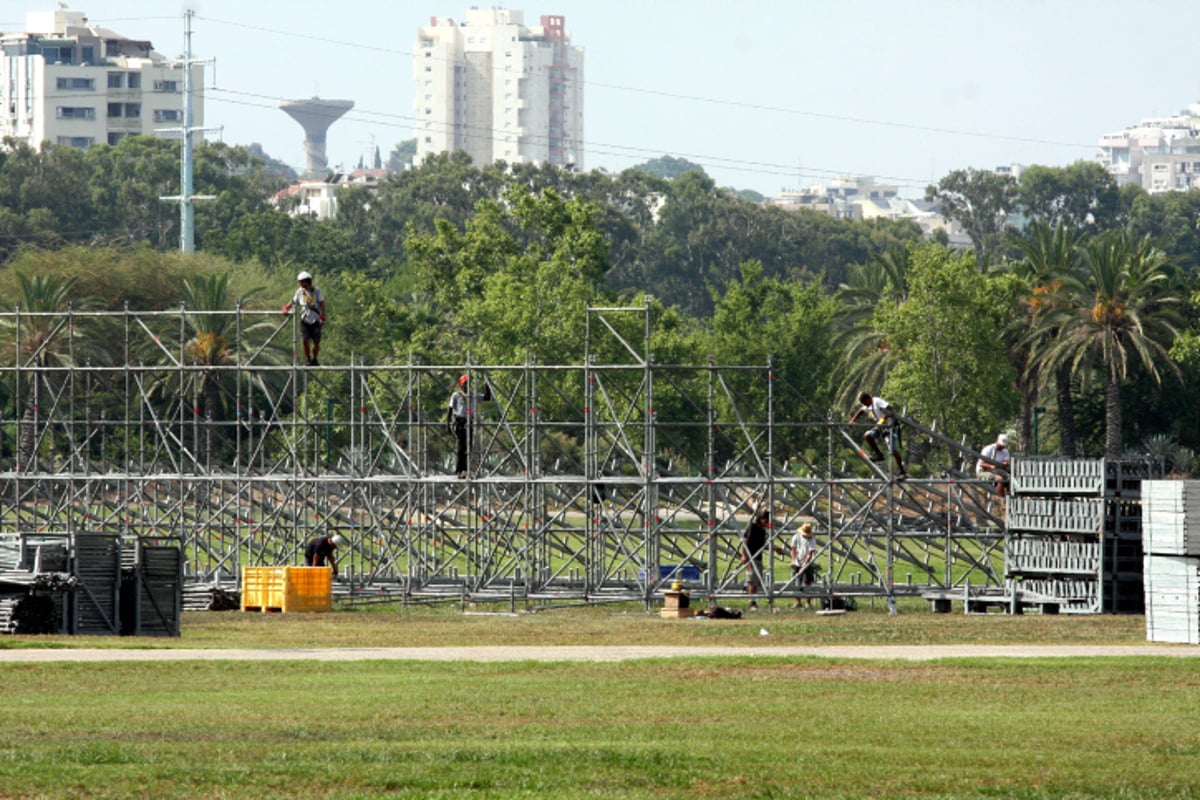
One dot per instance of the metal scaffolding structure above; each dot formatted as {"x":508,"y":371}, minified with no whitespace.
{"x":595,"y":482}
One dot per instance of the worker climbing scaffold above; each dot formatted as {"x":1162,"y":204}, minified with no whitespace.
{"x":887,"y":425}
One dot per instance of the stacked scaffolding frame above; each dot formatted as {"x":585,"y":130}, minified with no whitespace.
{"x":601,"y":481}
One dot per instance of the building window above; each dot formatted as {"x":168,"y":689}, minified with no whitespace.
{"x":113,"y":138}
{"x":167,"y":115}
{"x":76,"y":141}
{"x":75,"y":112}
{"x":87,"y":53}
{"x":115,"y":110}
{"x":135,"y":80}
{"x":57,"y":55}
{"x":168,"y":86}
{"x":133,"y":110}
{"x":85,"y":84}
{"x":116,"y":80}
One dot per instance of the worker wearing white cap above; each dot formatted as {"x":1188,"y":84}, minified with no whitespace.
{"x":993,"y":465}
{"x":319,"y":551}
{"x":311,"y":303}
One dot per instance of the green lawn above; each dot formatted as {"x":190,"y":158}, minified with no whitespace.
{"x":738,"y":727}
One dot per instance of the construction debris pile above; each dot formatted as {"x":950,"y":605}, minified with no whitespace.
{"x":90,"y":584}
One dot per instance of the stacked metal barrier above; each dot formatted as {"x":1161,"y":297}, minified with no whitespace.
{"x":151,"y":586}
{"x":1075,"y":531}
{"x":1172,"y":560}
{"x":90,"y":584}
{"x":35,"y":583}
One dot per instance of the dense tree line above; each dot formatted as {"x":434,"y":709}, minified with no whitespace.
{"x":1075,"y":297}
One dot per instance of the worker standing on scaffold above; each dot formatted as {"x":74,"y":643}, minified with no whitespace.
{"x":311,"y":302}
{"x":462,"y":405}
{"x":886,"y":425}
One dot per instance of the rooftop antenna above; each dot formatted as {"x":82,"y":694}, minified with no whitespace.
{"x":315,"y":116}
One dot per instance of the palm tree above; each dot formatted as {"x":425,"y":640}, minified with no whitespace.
{"x":1118,"y":312}
{"x":865,"y":352}
{"x":42,"y":335}
{"x":215,"y":340}
{"x":1051,"y":254}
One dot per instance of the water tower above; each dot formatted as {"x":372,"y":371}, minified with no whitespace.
{"x":315,"y":116}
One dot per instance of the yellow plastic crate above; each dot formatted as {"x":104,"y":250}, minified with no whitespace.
{"x":287,"y":589}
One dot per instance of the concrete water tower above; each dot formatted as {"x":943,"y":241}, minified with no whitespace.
{"x":315,"y":116}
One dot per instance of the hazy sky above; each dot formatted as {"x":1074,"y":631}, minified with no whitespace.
{"x":766,"y":94}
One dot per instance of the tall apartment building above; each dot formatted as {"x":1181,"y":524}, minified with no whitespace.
{"x":498,"y":90}
{"x":68,"y":82}
{"x":1160,"y":155}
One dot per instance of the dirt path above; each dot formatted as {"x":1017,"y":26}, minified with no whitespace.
{"x":482,"y":654}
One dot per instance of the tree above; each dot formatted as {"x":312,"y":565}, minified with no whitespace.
{"x":1051,"y":257}
{"x":127,"y":182}
{"x":1120,"y":312}
{"x":402,"y":155}
{"x":865,"y":353}
{"x":41,"y":336}
{"x":535,"y":302}
{"x":515,"y":283}
{"x":240,"y":183}
{"x":271,"y":166}
{"x":669,"y":167}
{"x":980,"y":201}
{"x":1172,"y":220}
{"x":948,"y":367}
{"x":1082,"y":196}
{"x":787,"y":321}
{"x":217,"y":331}
{"x":44,"y":194}
{"x":285,"y":244}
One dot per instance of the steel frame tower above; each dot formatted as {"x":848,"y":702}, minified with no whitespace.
{"x":596,"y":482}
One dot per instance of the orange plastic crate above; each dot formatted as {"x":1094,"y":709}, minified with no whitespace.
{"x":287,"y":589}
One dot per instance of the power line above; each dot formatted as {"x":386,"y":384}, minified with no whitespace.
{"x":725,"y":103}
{"x":393,"y":120}
{"x":385,"y":119}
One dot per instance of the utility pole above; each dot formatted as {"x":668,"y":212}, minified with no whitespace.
{"x":186,"y":198}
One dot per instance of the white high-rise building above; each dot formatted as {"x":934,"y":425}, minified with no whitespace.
{"x":68,"y":82}
{"x":498,"y":90}
{"x":1160,"y":155}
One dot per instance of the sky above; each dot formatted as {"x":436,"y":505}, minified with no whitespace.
{"x":765,"y":94}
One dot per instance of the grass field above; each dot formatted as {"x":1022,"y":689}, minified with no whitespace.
{"x":736,"y":727}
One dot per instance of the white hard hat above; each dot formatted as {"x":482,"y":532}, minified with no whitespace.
{"x":338,"y":540}
{"x":304,"y":276}
{"x":1002,"y":439}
